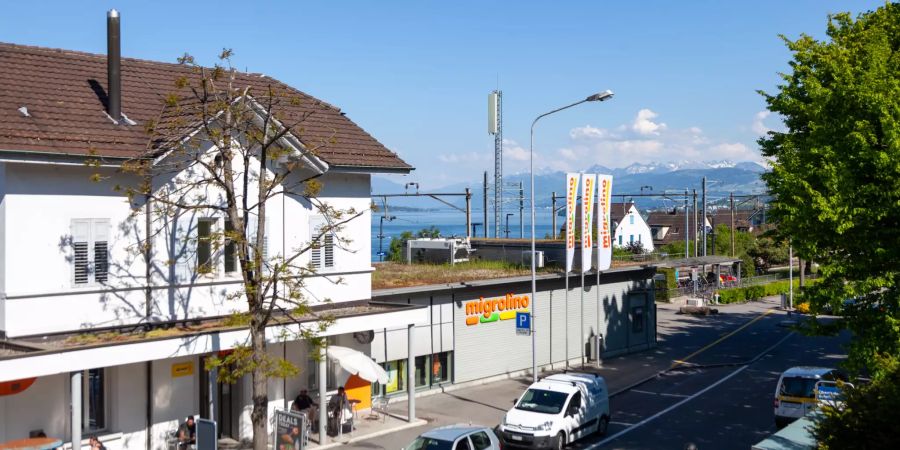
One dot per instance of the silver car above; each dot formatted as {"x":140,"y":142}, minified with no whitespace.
{"x":456,"y":437}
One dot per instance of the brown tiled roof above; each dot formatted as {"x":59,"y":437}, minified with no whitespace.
{"x":65,"y":91}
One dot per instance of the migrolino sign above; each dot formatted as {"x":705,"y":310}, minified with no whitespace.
{"x":486,"y":310}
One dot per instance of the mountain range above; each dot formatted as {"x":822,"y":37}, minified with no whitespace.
{"x":723,"y":177}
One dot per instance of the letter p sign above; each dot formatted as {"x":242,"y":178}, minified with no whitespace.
{"x":523,"y":323}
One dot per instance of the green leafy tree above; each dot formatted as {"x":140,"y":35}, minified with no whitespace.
{"x":836,"y":182}
{"x":836,"y":170}
{"x":766,"y":253}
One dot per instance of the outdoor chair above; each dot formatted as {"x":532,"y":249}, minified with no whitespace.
{"x":379,"y":407}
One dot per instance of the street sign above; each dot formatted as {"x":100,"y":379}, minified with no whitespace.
{"x":523,"y":323}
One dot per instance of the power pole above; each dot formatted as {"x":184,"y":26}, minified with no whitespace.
{"x":521,"y":211}
{"x":687,"y":228}
{"x":553,"y":214}
{"x":468,"y":213}
{"x":696,"y":230}
{"x":703,"y":225}
{"x":732,"y":224}
{"x":485,"y":204}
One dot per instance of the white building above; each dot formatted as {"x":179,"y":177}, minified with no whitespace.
{"x":629,"y":226}
{"x":76,"y":291}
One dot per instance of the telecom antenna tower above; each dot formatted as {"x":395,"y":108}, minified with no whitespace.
{"x":495,"y":127}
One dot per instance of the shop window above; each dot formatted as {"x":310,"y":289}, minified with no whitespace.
{"x":396,"y":376}
{"x":93,"y":400}
{"x":440,"y":368}
{"x":637,"y":319}
{"x":421,"y":371}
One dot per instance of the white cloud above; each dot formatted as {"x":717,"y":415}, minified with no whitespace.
{"x":758,"y":126}
{"x":470,"y":157}
{"x":588,"y":132}
{"x":514,"y":151}
{"x":644,"y":124}
{"x":646,"y":139}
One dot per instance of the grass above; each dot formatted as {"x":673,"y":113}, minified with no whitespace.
{"x":396,"y":275}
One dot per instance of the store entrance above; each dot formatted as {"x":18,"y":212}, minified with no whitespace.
{"x":227,"y":405}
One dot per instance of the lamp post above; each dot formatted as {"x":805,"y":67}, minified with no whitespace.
{"x":381,"y":234}
{"x":599,"y":97}
{"x":507,"y":223}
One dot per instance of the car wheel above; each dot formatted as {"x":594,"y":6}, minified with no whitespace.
{"x":603,"y":426}
{"x":560,"y":441}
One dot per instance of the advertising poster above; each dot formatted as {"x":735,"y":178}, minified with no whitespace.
{"x":604,"y":235}
{"x":288,"y":430}
{"x":588,"y":187}
{"x":571,"y":198}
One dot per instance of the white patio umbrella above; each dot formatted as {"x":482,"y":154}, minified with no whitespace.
{"x":357,"y":363}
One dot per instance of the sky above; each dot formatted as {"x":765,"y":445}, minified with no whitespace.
{"x":416,"y":74}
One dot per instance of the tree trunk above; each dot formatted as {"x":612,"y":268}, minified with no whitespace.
{"x":260,"y":390}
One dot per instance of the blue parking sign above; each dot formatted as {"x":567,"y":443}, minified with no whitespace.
{"x":523,"y":323}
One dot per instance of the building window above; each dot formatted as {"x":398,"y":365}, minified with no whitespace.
{"x":93,"y":401}
{"x":440,"y":368}
{"x":396,"y":376}
{"x":631,"y":238}
{"x":90,"y":251}
{"x":631,"y":219}
{"x":620,"y":239}
{"x":205,"y":229}
{"x":322,"y":245}
{"x":230,"y":248}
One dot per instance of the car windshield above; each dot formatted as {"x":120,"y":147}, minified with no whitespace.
{"x":425,"y":443}
{"x":539,"y":400}
{"x":798,"y":387}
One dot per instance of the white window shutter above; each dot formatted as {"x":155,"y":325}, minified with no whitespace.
{"x":81,"y":237}
{"x":316,"y":245}
{"x":100,"y":236}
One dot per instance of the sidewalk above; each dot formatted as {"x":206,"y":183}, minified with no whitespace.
{"x":678,"y":336}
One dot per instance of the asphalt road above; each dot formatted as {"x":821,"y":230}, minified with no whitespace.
{"x":718,"y":396}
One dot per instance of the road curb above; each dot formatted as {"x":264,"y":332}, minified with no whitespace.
{"x":416,"y":423}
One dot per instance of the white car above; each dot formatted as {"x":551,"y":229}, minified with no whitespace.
{"x":795,"y":393}
{"x":558,"y":410}
{"x":456,"y":437}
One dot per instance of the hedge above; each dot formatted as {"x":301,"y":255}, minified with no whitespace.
{"x":663,"y":287}
{"x":736,"y":295}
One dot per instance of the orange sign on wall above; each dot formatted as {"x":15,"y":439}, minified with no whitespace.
{"x":485,"y":310}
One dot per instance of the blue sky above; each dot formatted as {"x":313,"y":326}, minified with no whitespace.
{"x":416,"y":74}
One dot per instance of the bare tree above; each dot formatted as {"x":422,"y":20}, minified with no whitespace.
{"x":224,"y":145}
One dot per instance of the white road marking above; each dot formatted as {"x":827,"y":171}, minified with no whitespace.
{"x":624,"y":424}
{"x":659,"y":393}
{"x":676,"y":405}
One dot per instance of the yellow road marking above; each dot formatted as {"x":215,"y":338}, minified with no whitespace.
{"x":682,"y":361}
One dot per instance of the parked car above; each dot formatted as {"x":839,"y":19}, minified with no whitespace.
{"x":456,"y":437}
{"x":795,"y":393}
{"x":556,"y":411}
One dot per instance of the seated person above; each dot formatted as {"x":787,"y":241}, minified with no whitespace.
{"x":303,"y":401}
{"x":342,"y":406}
{"x":96,"y":444}
{"x":187,"y":434}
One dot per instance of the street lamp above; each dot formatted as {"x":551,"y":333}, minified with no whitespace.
{"x":599,"y":97}
{"x":507,"y":223}
{"x":381,"y":234}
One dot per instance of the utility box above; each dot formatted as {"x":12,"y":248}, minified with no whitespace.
{"x":538,"y":260}
{"x":437,"y":250}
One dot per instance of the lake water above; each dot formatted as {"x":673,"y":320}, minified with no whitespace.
{"x":452,"y":223}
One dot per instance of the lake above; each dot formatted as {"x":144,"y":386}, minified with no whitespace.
{"x":452,"y":223}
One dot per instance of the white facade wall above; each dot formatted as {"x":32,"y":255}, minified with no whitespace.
{"x":633,"y":227}
{"x":39,"y":203}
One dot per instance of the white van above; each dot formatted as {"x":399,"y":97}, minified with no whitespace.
{"x":556,"y":411}
{"x":795,"y":393}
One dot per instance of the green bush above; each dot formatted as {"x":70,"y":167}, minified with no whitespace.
{"x":663,"y":287}
{"x":735,"y":295}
